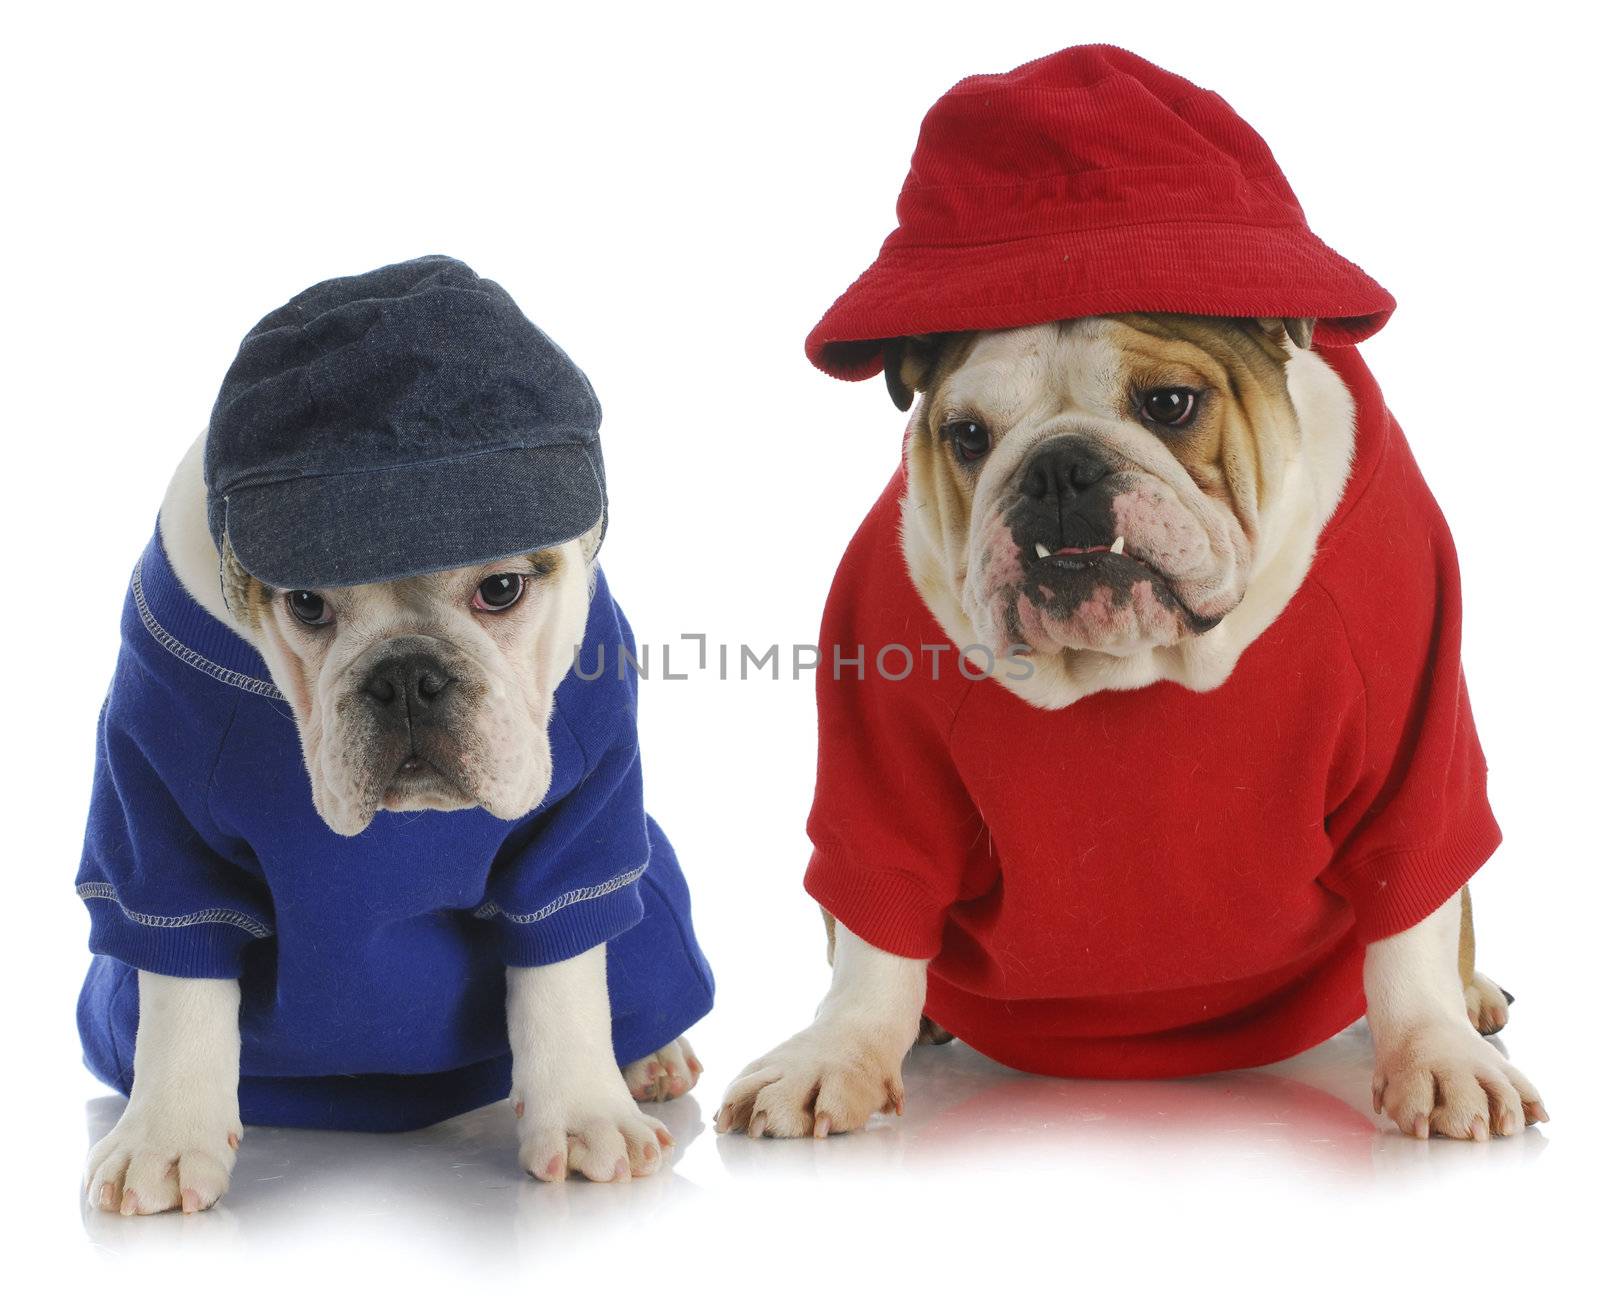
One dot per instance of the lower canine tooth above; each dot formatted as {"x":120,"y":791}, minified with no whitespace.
{"x":1117,"y":546}
{"x":1041,"y":550}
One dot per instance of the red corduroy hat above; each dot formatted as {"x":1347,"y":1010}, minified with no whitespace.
{"x":1085,"y":183}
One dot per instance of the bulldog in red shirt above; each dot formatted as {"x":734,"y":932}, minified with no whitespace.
{"x":1145,"y":748}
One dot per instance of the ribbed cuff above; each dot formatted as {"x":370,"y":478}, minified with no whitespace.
{"x":1391,"y":892}
{"x":534,"y":940}
{"x":884,"y":906}
{"x":202,"y":950}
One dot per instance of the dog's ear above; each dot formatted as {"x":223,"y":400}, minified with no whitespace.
{"x":240,"y":589}
{"x":589,"y":540}
{"x":1297,"y":331}
{"x":908,"y":365}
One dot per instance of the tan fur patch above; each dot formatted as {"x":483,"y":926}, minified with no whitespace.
{"x":1234,"y":446}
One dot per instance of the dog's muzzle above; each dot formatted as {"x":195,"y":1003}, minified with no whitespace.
{"x":1071,"y":562}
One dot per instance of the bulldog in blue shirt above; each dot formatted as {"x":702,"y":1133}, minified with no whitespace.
{"x":367,"y":844}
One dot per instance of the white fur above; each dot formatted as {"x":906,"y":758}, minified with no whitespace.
{"x":576,"y":1110}
{"x":187,"y":538}
{"x":174,"y":1144}
{"x":1435,"y":1074}
{"x":845,"y":1067}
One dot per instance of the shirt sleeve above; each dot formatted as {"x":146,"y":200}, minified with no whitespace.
{"x":159,"y":879}
{"x":896,"y":836}
{"x":1414,"y":822}
{"x":570,"y":879}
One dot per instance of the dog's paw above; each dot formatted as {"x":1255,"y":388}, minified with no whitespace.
{"x":667,"y":1074}
{"x":154,"y":1161}
{"x":1447,"y":1080}
{"x":1487,"y":1005}
{"x":604,"y":1137}
{"x":828,"y":1078}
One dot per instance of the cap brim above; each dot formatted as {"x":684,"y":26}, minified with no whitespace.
{"x":1190,"y":268}
{"x":327,"y":531}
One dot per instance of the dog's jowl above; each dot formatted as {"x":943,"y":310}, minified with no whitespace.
{"x":1214,"y":789}
{"x":362,"y":852}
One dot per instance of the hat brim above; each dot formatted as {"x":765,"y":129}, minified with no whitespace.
{"x":1182,"y":267}
{"x":328,"y":531}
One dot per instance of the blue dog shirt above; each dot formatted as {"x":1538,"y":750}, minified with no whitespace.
{"x":371,"y":967}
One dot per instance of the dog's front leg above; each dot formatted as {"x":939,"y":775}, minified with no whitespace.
{"x":174,"y":1144}
{"x":845,"y":1067}
{"x":577,"y":1114}
{"x":1435,"y":1074}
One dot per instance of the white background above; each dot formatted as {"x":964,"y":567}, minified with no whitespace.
{"x":677,"y":194}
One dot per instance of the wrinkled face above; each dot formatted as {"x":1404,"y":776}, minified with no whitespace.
{"x":1099,"y":484}
{"x":432,"y":692}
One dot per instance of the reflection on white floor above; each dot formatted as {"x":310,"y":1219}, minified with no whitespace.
{"x":1308,"y":1116}
{"x":1307,"y":1120}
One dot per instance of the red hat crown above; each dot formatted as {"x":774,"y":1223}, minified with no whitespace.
{"x":1091,"y":136}
{"x":1089,"y":182}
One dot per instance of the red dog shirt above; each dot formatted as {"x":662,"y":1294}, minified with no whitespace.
{"x":1156,"y":882}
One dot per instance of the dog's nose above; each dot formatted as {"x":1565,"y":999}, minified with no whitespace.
{"x":1063,"y":469}
{"x":406,"y":683}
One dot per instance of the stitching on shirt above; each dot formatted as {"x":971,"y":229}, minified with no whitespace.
{"x":184,"y":653}
{"x":493,"y":910}
{"x":89,"y":890}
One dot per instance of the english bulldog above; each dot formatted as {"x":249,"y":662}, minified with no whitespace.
{"x":1176,"y":812}
{"x":436,"y":710}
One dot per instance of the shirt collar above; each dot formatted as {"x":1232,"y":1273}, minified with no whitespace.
{"x":177,"y":622}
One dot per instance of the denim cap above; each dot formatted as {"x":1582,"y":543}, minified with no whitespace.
{"x":395,"y":423}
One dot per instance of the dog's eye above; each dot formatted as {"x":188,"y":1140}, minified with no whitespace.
{"x":309,"y":608}
{"x":1172,"y":408}
{"x":970,"y":439}
{"x":498,"y":592}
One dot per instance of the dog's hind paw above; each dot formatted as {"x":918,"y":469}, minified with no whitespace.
{"x":666,"y":1074}
{"x":1487,"y":1005}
